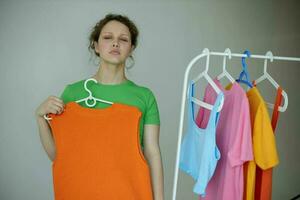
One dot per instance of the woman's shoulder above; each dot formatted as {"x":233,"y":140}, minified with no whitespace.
{"x":146,"y":92}
{"x":70,"y":89}
{"x":140,"y":87}
{"x":76,"y":84}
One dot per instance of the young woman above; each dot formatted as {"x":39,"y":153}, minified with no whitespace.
{"x":113,"y":40}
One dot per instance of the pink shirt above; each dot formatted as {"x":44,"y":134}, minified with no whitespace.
{"x":233,"y":138}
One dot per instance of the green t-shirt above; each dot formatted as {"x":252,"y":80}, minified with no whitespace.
{"x":126,"y":92}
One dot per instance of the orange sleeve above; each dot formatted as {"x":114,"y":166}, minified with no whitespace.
{"x":264,"y":146}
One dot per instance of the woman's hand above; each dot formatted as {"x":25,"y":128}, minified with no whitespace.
{"x":52,"y":104}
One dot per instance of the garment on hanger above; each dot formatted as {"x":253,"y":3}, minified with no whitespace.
{"x":263,"y":141}
{"x":98,"y":155}
{"x":127,"y":92}
{"x":199,"y":154}
{"x":233,"y":138}
{"x":263,"y":183}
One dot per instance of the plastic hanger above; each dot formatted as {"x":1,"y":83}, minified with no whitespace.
{"x":210,"y":81}
{"x":225,"y":72}
{"x":266,"y":76}
{"x":90,"y":97}
{"x":245,"y":72}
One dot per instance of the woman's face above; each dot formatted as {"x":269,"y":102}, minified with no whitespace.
{"x":114,"y":43}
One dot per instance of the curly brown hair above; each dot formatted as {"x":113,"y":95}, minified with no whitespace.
{"x":96,"y":30}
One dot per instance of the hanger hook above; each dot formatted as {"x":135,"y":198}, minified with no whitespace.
{"x":228,"y":52}
{"x":85,"y":85}
{"x":269,"y":55}
{"x":245,"y":71}
{"x":244,"y":58}
{"x":90,"y":97}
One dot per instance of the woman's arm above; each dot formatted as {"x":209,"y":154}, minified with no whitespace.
{"x":46,"y":137}
{"x":54,"y":105}
{"x":153,"y":156}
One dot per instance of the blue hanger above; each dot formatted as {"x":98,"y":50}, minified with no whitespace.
{"x":245,"y":72}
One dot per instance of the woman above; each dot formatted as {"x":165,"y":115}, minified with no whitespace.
{"x":113,"y":40}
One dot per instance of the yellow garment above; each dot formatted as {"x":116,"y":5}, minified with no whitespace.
{"x":263,"y":141}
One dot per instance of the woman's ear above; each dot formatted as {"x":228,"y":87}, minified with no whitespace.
{"x":96,"y":46}
{"x":132,"y":48}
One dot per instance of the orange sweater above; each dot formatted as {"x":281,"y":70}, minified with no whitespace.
{"x":98,"y":155}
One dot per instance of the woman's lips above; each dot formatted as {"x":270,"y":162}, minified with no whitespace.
{"x":115,"y":52}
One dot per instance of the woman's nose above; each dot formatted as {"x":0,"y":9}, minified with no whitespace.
{"x":115,"y":44}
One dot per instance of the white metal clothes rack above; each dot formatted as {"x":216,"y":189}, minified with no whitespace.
{"x":207,"y":53}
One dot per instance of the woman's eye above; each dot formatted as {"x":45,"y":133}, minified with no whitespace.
{"x":109,"y":37}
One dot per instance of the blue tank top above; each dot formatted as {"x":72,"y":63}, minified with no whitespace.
{"x":199,"y":153}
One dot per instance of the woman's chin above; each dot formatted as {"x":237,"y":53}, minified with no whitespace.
{"x":113,"y":61}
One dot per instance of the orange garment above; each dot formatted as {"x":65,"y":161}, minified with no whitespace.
{"x":263,"y":183}
{"x":98,"y":154}
{"x":263,"y":142}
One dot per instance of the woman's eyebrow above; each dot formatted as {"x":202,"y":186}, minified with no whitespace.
{"x":121,"y":34}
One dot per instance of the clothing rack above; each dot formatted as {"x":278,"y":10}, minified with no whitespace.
{"x":204,"y":54}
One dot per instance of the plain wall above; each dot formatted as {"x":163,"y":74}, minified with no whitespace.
{"x":43,"y":47}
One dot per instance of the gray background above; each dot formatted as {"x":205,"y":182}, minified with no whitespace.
{"x":43,"y":47}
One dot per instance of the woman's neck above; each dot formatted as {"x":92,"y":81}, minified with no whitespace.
{"x":110,"y":74}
